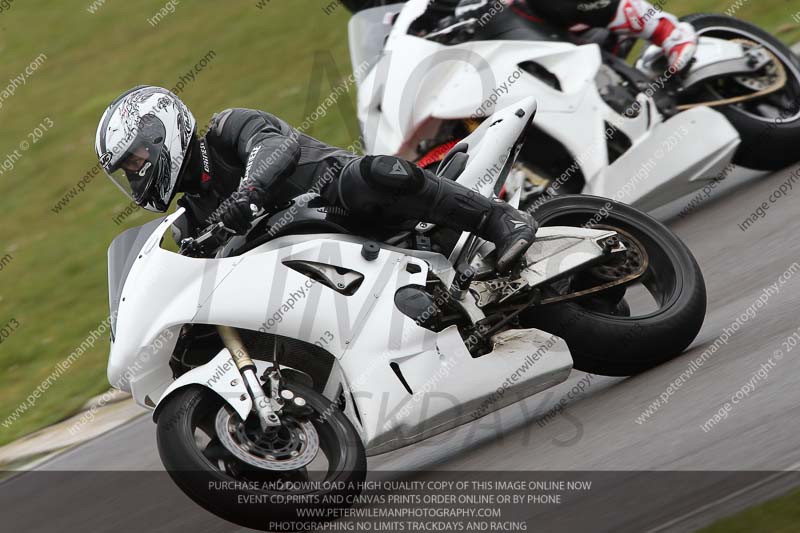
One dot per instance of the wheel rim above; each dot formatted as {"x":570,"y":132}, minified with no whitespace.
{"x":634,"y":260}
{"x":649,"y":295}
{"x":226,"y":451}
{"x":770,"y":105}
{"x":291,"y":446}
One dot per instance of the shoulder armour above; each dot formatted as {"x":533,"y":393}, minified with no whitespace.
{"x":218,"y":121}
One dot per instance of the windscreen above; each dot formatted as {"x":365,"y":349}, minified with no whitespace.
{"x":121,"y":255}
{"x":367,"y":32}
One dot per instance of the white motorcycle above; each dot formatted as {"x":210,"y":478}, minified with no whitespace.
{"x":644,"y":135}
{"x":276,"y":362}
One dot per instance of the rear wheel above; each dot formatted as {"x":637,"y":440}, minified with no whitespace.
{"x":768,"y":125}
{"x":628,"y":328}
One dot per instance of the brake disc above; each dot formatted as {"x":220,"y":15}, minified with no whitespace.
{"x":291,"y":446}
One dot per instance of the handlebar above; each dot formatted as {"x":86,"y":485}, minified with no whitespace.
{"x":207,"y":241}
{"x":217,"y":235}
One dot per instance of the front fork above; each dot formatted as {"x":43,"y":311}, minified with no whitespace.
{"x":267,"y":407}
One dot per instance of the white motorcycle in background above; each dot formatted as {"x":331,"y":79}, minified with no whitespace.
{"x":642,"y":135}
{"x":276,"y":362}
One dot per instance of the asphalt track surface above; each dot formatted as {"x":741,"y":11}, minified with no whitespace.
{"x":598,"y":431}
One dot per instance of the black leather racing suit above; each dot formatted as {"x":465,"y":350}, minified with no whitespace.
{"x":281,"y":161}
{"x":246,"y":149}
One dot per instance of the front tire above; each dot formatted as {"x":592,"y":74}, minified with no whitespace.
{"x":219,"y":482}
{"x":610,"y":339}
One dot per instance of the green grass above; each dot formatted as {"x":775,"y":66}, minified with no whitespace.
{"x":781,"y":515}
{"x":56,"y":284}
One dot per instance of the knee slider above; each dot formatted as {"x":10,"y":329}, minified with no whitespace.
{"x":391,"y":174}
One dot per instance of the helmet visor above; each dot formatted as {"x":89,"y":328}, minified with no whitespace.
{"x":141,"y":171}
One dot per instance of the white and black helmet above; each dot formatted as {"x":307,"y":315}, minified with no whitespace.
{"x":142,"y":143}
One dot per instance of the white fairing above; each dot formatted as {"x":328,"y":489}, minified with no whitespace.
{"x":416,"y":84}
{"x":367,"y":336}
{"x":220,"y":375}
{"x":364,"y":332}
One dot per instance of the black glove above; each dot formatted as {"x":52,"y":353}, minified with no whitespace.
{"x":238,"y":214}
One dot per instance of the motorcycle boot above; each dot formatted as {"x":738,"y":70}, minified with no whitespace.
{"x":390,"y":187}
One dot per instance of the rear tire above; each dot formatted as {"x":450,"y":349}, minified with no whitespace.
{"x":612,"y":343}
{"x":767,"y":144}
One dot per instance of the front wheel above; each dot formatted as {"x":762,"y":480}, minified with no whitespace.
{"x":627,"y":328}
{"x":769,"y":125}
{"x":277,"y":480}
